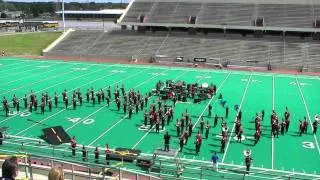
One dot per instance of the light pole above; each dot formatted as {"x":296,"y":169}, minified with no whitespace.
{"x":63,"y":22}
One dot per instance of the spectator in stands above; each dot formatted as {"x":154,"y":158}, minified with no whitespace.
{"x":10,"y":169}
{"x":56,"y":173}
{"x":3,"y":53}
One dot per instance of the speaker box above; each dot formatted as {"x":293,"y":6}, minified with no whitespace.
{"x":56,"y":135}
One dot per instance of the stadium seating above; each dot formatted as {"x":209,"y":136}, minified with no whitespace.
{"x":236,"y":13}
{"x":237,"y":50}
{"x":136,"y":10}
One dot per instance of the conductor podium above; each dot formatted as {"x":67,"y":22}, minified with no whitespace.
{"x":56,"y":135}
{"x":124,"y":154}
{"x":153,"y":166}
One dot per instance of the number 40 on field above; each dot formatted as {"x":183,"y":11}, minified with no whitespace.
{"x":77,"y":119}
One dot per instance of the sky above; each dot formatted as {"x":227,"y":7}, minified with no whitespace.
{"x":86,"y":1}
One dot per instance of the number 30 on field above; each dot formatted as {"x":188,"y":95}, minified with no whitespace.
{"x":85,"y":122}
{"x":308,"y":145}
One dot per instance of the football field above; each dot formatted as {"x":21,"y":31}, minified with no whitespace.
{"x":289,"y":155}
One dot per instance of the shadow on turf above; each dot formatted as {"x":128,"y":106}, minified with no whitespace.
{"x":214,"y":145}
{"x":249,"y":128}
{"x":37,"y":122}
{"x":295,"y":134}
{"x":265,"y":126}
{"x":247,"y":144}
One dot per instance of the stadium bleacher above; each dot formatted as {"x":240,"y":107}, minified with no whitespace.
{"x":209,"y":36}
{"x":237,"y":50}
{"x":288,"y":13}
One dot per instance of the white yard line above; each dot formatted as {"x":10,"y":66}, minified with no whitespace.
{"x":133,"y":147}
{"x":107,"y":104}
{"x":62,"y":82}
{"x":281,"y":177}
{"x":109,"y":129}
{"x":11,"y":64}
{"x":204,"y":110}
{"x":272,"y":138}
{"x":68,"y":106}
{"x":46,"y":89}
{"x":105,"y":132}
{"x":69,"y":62}
{"x":17,"y":72}
{"x":37,"y":74}
{"x":71,"y":105}
{"x":36,"y":82}
{"x":231,"y":134}
{"x":308,"y":114}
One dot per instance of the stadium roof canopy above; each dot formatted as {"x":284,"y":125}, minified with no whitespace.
{"x":104,"y":11}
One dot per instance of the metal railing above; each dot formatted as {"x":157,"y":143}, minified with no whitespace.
{"x":36,"y":155}
{"x":163,"y":168}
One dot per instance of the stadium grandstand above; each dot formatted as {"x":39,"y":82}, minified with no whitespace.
{"x":276,"y":33}
{"x":230,"y":76}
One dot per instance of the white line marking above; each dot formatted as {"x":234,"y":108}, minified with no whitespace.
{"x":145,"y":134}
{"x":183,"y":159}
{"x":62,"y":83}
{"x":54,"y":86}
{"x":231,"y":134}
{"x":133,"y":147}
{"x":81,"y":86}
{"x":308,"y":114}
{"x":12,"y":64}
{"x":272,"y":138}
{"x":68,"y":106}
{"x":105,"y":132}
{"x":36,"y":82}
{"x":24,"y":77}
{"x":17,"y":72}
{"x":11,"y":69}
{"x":43,"y":66}
{"x":107,"y":104}
{"x":120,"y":119}
{"x":204,"y":110}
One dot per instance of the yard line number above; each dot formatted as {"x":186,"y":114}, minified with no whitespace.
{"x":308,"y":145}
{"x":77,"y":119}
{"x":22,"y":114}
